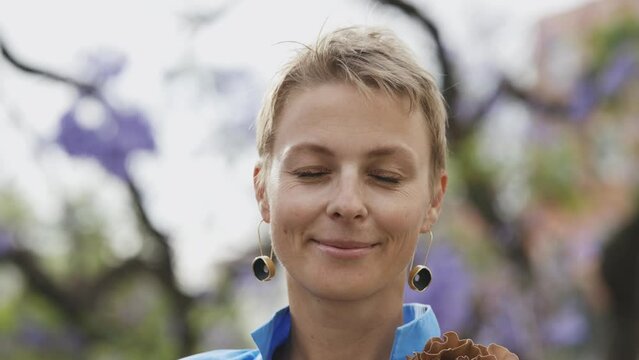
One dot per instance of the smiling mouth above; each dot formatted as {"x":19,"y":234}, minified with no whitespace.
{"x":344,"y":249}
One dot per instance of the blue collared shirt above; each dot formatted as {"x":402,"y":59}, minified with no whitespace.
{"x":420,"y":324}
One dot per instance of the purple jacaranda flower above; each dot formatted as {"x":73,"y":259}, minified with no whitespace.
{"x":120,"y":133}
{"x":33,"y":335}
{"x":621,"y":70}
{"x":503,"y":328}
{"x":507,"y":317}
{"x":6,"y":241}
{"x":104,"y":66}
{"x":567,"y":327}
{"x":584,"y":99}
{"x":450,"y":294}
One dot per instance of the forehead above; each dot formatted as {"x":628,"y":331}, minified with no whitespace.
{"x":342,"y":116}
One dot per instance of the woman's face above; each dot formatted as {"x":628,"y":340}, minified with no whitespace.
{"x":347,"y":193}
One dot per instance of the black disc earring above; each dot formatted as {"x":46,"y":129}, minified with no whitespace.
{"x":263,"y":266}
{"x":420,"y":276}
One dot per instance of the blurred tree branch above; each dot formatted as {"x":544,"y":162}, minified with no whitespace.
{"x":43,"y":284}
{"x":460,"y":126}
{"x":78,"y":306}
{"x":449,"y":74}
{"x":8,"y":55}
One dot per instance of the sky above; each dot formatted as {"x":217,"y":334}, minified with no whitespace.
{"x":196,"y":187}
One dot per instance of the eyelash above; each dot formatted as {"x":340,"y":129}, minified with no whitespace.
{"x":387,"y":179}
{"x":315,"y":174}
{"x":310,"y":174}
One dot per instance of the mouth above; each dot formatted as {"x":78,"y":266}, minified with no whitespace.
{"x":344,"y":249}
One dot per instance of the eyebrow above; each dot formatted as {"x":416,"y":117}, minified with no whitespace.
{"x":383,"y":151}
{"x":308,"y":147}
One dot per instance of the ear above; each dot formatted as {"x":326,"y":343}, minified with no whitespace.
{"x":437,"y":198}
{"x":259,"y":185}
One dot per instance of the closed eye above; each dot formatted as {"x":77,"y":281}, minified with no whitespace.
{"x":310,"y":173}
{"x":385,"y":177}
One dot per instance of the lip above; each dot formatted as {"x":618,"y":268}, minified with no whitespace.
{"x":344,"y":249}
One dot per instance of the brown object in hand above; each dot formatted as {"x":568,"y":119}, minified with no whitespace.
{"x":451,"y":347}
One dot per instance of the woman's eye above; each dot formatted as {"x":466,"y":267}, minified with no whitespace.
{"x":310,"y":173}
{"x":386,"y":178}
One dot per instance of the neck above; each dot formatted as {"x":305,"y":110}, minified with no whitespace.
{"x":336,"y":329}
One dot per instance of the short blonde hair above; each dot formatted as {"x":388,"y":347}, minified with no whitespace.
{"x":367,"y":58}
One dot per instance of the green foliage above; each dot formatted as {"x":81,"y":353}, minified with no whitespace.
{"x":478,"y":175}
{"x":14,"y":213}
{"x":556,"y":171}
{"x":131,"y":319}
{"x":34,"y":329}
{"x":89,"y":250}
{"x":610,"y":37}
{"x":215,"y":319}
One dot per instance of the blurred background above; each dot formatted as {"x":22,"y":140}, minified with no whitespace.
{"x":127,"y":216}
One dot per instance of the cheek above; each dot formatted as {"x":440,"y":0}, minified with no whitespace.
{"x":401,"y":221}
{"x":292,"y":205}
{"x":402,"y":215}
{"x":292,"y":211}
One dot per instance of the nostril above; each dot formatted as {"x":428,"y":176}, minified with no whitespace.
{"x":355,"y":213}
{"x":347,"y":203}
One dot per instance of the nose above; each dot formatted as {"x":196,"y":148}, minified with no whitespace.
{"x":346,"y":201}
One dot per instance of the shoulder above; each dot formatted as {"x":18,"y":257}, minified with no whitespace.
{"x":226,"y":355}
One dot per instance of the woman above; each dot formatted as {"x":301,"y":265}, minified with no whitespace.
{"x":352,"y":170}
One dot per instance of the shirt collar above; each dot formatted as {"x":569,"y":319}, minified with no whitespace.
{"x":420,"y":324}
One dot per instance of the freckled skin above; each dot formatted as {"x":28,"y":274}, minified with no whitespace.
{"x":348,"y":168}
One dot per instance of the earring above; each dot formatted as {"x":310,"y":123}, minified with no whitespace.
{"x":263,"y":266}
{"x":420,"y":276}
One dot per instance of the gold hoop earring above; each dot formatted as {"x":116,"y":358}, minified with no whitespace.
{"x":420,"y":276}
{"x":263,"y":266}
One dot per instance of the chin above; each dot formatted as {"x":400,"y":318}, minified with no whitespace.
{"x":342,"y":293}
{"x":340,"y":287}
